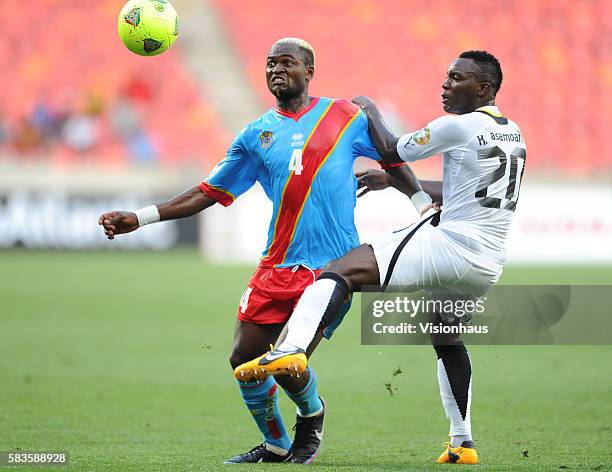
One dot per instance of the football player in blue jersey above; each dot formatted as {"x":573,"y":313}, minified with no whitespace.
{"x":302,"y":153}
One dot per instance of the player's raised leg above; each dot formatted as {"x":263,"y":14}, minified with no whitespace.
{"x":318,"y":306}
{"x":260,"y":397}
{"x":323,"y":300}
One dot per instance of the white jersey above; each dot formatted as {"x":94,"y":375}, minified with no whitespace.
{"x":483,"y":163}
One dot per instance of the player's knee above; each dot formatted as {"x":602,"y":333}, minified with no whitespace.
{"x":332,"y":266}
{"x":357,"y":268}
{"x":236,"y":358}
{"x":340,"y":272}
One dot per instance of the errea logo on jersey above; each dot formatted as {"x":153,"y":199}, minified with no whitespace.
{"x":297,"y":140}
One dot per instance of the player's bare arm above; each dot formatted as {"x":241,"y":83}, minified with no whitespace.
{"x":404,"y":180}
{"x":375,"y":179}
{"x":183,"y":205}
{"x":383,"y":138}
{"x":434,"y":189}
{"x":186,"y":204}
{"x":401,"y":178}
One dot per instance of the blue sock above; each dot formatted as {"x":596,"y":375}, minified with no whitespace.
{"x":261,"y":400}
{"x":307,"y":399}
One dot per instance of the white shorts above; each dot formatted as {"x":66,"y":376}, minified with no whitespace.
{"x":428,"y":258}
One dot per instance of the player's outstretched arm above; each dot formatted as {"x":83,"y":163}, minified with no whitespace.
{"x":403,"y":179}
{"x":185,"y":204}
{"x":383,"y":138}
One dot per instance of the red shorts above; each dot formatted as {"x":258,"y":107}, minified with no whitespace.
{"x":272,"y":293}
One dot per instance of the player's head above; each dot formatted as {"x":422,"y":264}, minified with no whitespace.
{"x":473,"y":80}
{"x":289,"y":68}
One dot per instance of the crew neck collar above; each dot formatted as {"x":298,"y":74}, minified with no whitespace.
{"x":299,"y":114}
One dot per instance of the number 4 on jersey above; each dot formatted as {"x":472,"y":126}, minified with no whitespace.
{"x":244,"y":300}
{"x":295,"y":164}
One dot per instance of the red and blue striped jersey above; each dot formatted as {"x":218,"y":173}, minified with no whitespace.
{"x":304,"y":162}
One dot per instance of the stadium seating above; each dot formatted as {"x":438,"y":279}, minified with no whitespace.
{"x":557,"y":59}
{"x":66,"y":63}
{"x":63,"y":61}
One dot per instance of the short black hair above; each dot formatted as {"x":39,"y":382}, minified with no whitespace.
{"x":489,"y":66}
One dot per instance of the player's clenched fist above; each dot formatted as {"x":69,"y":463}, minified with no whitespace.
{"x":372,"y":179}
{"x":118,"y":222}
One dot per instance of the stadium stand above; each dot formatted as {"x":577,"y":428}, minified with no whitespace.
{"x":557,"y":59}
{"x":73,"y":93}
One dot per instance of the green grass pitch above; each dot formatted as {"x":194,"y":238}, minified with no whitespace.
{"x":121,"y":360}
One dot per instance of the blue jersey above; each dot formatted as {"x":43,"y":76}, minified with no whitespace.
{"x":304,"y":162}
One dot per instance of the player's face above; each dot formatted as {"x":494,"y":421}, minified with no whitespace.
{"x":461,"y":92}
{"x":287,"y":75}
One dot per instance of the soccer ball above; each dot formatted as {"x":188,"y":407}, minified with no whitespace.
{"x":148,"y":27}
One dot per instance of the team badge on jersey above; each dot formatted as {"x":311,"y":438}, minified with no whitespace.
{"x":422,"y":136}
{"x":266,"y":139}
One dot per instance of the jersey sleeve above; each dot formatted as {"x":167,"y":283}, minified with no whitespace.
{"x":362,"y":145}
{"x":441,"y":135}
{"x":234,"y":175}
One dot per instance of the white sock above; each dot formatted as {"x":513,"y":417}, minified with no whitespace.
{"x":306,"y":317}
{"x":460,"y":429}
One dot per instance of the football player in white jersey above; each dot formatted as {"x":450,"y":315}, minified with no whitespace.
{"x":458,"y":251}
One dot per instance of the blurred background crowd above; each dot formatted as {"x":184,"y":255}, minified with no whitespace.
{"x":72,"y":93}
